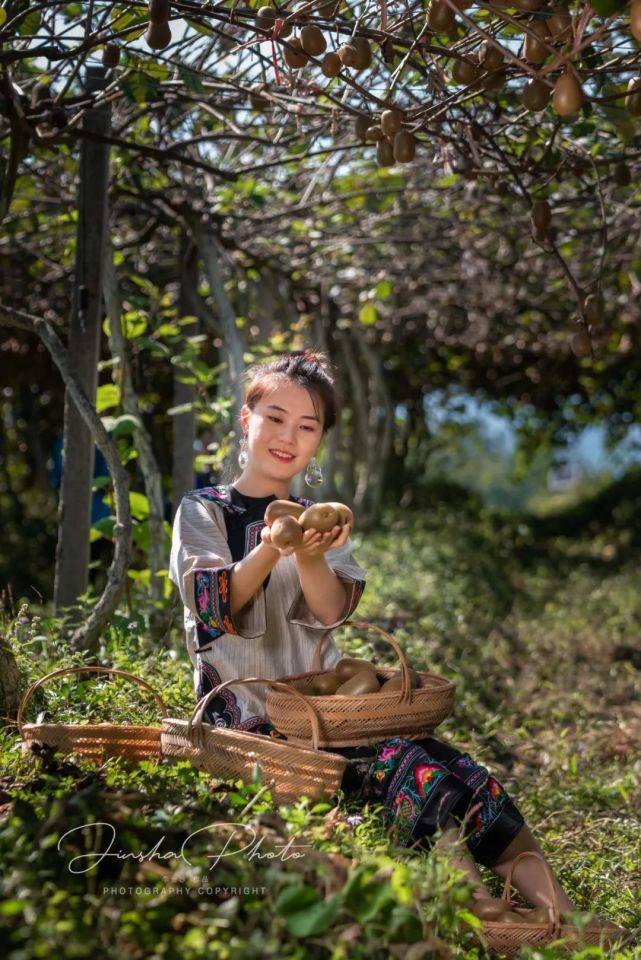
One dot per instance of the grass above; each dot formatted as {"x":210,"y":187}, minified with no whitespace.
{"x":527,"y":627}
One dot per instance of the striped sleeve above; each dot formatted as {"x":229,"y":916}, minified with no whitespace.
{"x":201,"y":566}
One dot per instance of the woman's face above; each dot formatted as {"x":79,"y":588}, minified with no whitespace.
{"x":283,"y":430}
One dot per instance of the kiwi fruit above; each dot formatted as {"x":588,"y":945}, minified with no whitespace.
{"x":312,"y":40}
{"x":391,"y":122}
{"x":535,"y":50}
{"x":345,"y":515}
{"x":158,"y":35}
{"x":159,"y":11}
{"x":360,"y":683}
{"x":348,"y":666}
{"x":363,"y":52}
{"x":535,"y":95}
{"x":331,"y":65}
{"x":395,"y":683}
{"x":489,"y":908}
{"x":529,"y":6}
{"x":494,"y":80}
{"x":374,"y":133}
{"x":266,"y":18}
{"x":489,"y":57}
{"x":594,"y":307}
{"x":404,"y":147}
{"x":110,"y":55}
{"x":635,"y":19}
{"x":440,"y":17}
{"x":348,"y":55}
{"x":541,"y":214}
{"x":567,"y":97}
{"x":511,"y":916}
{"x":328,"y":8}
{"x":384,"y":153}
{"x":320,"y":516}
{"x":282,"y":508}
{"x":633,"y":97}
{"x":295,"y":56}
{"x":622,"y":175}
{"x":464,"y":71}
{"x":581,"y":344}
{"x":560,"y":26}
{"x":535,"y":915}
{"x":326,"y":684}
{"x":286,"y":532}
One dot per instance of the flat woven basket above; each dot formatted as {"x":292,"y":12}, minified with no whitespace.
{"x":506,"y":939}
{"x":368,"y":718}
{"x":94,"y":741}
{"x":232,"y":754}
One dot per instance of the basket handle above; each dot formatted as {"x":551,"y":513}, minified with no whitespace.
{"x":556,"y":916}
{"x":406,"y":683}
{"x":197,"y":716}
{"x":88,"y":669}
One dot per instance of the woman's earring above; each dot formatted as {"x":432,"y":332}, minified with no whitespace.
{"x":313,"y":474}
{"x":243,"y":456}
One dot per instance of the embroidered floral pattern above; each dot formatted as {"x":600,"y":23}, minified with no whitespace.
{"x":213,"y":598}
{"x":223,"y":710}
{"x":413,"y":786}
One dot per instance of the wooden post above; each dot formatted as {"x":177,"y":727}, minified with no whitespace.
{"x":74,"y":510}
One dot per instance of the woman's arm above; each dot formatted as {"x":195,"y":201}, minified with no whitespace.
{"x":326,"y":596}
{"x":250,"y":572}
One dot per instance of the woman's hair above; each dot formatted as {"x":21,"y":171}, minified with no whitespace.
{"x":306,"y":368}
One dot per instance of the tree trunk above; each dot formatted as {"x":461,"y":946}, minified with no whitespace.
{"x":74,"y":510}
{"x":9,"y":683}
{"x":151,"y":474}
{"x":233,"y":346}
{"x":86,"y":637}
{"x":184,"y":424}
{"x":381,"y":427}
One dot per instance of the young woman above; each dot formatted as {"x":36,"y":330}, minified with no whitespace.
{"x":254,"y":610}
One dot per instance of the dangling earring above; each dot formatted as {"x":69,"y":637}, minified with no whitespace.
{"x":243,"y":456}
{"x":314,"y":473}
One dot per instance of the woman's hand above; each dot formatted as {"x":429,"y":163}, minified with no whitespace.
{"x":314,"y":544}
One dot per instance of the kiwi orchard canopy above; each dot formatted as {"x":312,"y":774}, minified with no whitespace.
{"x":372,"y":146}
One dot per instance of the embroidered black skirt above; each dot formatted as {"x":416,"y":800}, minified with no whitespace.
{"x":422,"y":783}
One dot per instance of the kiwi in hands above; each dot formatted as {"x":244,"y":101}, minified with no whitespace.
{"x":282,"y":508}
{"x":320,"y":516}
{"x":286,"y":532}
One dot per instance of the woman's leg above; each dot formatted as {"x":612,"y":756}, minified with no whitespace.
{"x":529,"y":876}
{"x":450,"y":838}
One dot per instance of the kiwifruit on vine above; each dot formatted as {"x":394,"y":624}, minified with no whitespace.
{"x":361,"y":125}
{"x":404,"y":147}
{"x":312,"y":40}
{"x":158,"y":35}
{"x":159,"y":11}
{"x":535,"y":95}
{"x":635,"y":19}
{"x":536,"y":47}
{"x":295,"y":56}
{"x":541,"y":215}
{"x":581,"y":344}
{"x":384,"y":153}
{"x":391,"y":122}
{"x":594,"y":307}
{"x":331,"y":65}
{"x":633,"y":97}
{"x":266,"y":18}
{"x":348,"y":54}
{"x":567,"y":97}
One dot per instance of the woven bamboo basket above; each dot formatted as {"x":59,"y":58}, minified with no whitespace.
{"x":506,"y":939}
{"x":232,"y":754}
{"x":366,"y":719}
{"x":93,"y":741}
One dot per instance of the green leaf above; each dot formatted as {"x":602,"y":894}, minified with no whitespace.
{"x":125,"y":424}
{"x":200,"y":27}
{"x":107,"y":396}
{"x":606,"y":7}
{"x":305,"y":913}
{"x":3,"y":16}
{"x":30,"y":25}
{"x":139,"y":505}
{"x":383,"y":289}
{"x":365,"y":897}
{"x":367,"y":314}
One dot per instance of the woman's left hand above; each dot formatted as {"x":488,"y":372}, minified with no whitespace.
{"x":315,"y":544}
